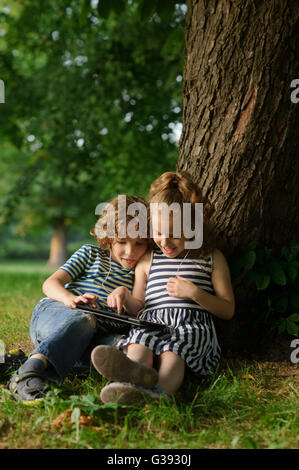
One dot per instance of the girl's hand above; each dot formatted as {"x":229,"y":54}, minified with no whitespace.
{"x":118,"y":298}
{"x":180,"y":287}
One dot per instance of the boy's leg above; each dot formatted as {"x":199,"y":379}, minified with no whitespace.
{"x":40,"y":357}
{"x":171,"y":369}
{"x":101,"y":338}
{"x":60,"y":334}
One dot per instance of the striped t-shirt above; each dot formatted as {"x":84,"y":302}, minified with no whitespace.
{"x":89,"y":267}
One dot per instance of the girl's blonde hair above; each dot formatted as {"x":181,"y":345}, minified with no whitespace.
{"x":180,"y":187}
{"x":102,"y":237}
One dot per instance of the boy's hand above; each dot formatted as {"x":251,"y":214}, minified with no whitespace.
{"x":118,"y":298}
{"x":82,"y":299}
{"x":180,"y":287}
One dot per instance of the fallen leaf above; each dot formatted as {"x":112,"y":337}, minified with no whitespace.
{"x":249,"y":376}
{"x":62,"y":418}
{"x":98,"y":429}
{"x":85,"y":420}
{"x":65,"y":418}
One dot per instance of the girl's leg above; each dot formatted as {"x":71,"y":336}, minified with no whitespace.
{"x":171,"y":370}
{"x":171,"y":375}
{"x":113,"y":364}
{"x":138,"y":363}
{"x":140,"y":353}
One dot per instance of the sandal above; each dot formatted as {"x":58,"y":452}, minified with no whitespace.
{"x":115,"y":365}
{"x":128,"y":394}
{"x":27,"y":383}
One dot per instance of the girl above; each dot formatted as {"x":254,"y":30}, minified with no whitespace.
{"x":61,"y":333}
{"x":183,"y":288}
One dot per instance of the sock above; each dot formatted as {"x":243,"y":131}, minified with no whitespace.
{"x":40,"y":362}
{"x":33,"y":364}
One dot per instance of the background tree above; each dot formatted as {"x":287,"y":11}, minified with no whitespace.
{"x":96,"y":110}
{"x":240,"y":138}
{"x":240,"y":128}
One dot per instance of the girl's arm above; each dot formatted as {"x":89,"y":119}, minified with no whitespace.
{"x":222,"y":305}
{"x":53,"y":287}
{"x":122,"y":297}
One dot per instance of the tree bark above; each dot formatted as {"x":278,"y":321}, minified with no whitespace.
{"x":240,"y":128}
{"x":58,"y":246}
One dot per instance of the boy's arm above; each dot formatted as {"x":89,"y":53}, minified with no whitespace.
{"x":53,"y":287}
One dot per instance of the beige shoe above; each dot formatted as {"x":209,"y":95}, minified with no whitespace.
{"x":115,"y":365}
{"x":128,"y":394}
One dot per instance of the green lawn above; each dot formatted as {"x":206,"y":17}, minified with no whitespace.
{"x":245,"y":404}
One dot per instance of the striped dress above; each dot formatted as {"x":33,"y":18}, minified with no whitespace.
{"x":192,"y":334}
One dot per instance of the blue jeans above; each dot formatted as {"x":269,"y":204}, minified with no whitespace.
{"x":66,"y":337}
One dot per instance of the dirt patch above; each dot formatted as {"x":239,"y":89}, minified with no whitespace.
{"x":280,"y":370}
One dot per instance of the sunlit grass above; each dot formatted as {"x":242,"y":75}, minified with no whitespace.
{"x":18,"y":267}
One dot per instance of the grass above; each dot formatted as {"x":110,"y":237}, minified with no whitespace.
{"x":245,"y":404}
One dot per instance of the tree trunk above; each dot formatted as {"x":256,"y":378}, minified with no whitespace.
{"x":240,"y":127}
{"x":58,"y":246}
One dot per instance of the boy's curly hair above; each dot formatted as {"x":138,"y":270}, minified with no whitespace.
{"x":112,"y":214}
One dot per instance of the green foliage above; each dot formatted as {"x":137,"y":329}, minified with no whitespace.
{"x":276,"y":280}
{"x":90,"y":105}
{"x":35,"y":246}
{"x":145,"y":8}
{"x":75,"y":419}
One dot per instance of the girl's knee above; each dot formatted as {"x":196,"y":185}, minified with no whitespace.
{"x":140,"y":353}
{"x":171,"y":360}
{"x":171,"y":370}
